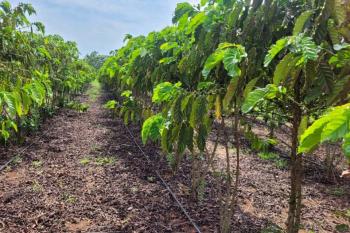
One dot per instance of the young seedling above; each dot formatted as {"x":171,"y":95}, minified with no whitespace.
{"x":36,"y":186}
{"x":84,"y":161}
{"x":37,"y":163}
{"x":69,"y":198}
{"x":104,"y":161}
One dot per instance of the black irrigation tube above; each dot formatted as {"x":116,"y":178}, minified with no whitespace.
{"x":165,"y":184}
{"x":18,"y":154}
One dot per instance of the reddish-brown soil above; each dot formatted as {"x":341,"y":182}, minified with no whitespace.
{"x":83,"y":173}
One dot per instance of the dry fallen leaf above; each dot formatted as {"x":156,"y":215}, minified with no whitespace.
{"x":345,"y":174}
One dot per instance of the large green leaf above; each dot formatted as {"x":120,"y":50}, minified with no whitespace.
{"x":168,"y":46}
{"x":182,"y":9}
{"x":202,"y":137}
{"x":300,"y":22}
{"x":152,"y":128}
{"x":199,"y":111}
{"x":253,"y":98}
{"x":306,"y":47}
{"x":230,"y":93}
{"x":274,"y":50}
{"x":231,"y":59}
{"x":260,"y":94}
{"x":212,"y":61}
{"x":164,"y":92}
{"x":196,"y":21}
{"x":283,"y":68}
{"x":333,"y":126}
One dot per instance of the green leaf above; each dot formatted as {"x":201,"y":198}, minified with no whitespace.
{"x":152,"y":127}
{"x":202,"y":137}
{"x":111,"y":104}
{"x":167,"y":60}
{"x":182,"y":140}
{"x":164,"y":92}
{"x":231,"y":59}
{"x":212,"y":61}
{"x":275,"y":49}
{"x":196,"y":21}
{"x":176,"y":112}
{"x":230,"y":93}
{"x":258,"y":95}
{"x":333,"y":126}
{"x":300,"y":22}
{"x":204,"y":2}
{"x":126,"y":93}
{"x":306,"y":47}
{"x":312,"y":136}
{"x":253,"y":98}
{"x":168,"y":46}
{"x":181,"y":10}
{"x":11,"y":124}
{"x":337,"y":127}
{"x":199,"y":111}
{"x":10,"y":101}
{"x":283,"y":68}
{"x":302,"y":126}
{"x":346,"y":146}
{"x":249,"y":87}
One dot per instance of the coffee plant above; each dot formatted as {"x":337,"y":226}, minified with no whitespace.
{"x":224,"y":60}
{"x":38,"y":72}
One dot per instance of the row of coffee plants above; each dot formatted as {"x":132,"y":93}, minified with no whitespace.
{"x":37,"y":72}
{"x":225,"y":60}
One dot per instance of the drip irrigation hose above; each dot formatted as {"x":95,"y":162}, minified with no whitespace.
{"x":165,"y":184}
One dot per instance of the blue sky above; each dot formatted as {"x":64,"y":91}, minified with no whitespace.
{"x":101,"y":24}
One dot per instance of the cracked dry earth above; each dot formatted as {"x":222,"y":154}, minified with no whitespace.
{"x":79,"y":176}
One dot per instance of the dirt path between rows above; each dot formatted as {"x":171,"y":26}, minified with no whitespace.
{"x":79,"y":176}
{"x":83,"y":173}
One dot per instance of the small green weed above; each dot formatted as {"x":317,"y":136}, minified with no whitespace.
{"x":281,"y":163}
{"x":343,"y":213}
{"x":342,"y":228}
{"x":18,"y":159}
{"x":37,"y":163}
{"x":69,"y":198}
{"x":268,"y":156}
{"x":104,"y":161}
{"x":84,"y":161}
{"x":36,"y":186}
{"x":338,"y":191}
{"x":79,"y":107}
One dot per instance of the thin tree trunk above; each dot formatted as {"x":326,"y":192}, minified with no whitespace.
{"x":294,"y":213}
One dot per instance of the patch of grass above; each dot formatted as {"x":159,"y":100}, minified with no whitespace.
{"x":342,"y":228}
{"x":94,"y":90}
{"x":95,"y":147}
{"x":69,"y":198}
{"x":37,"y":163}
{"x":36,"y":186}
{"x":281,"y":163}
{"x":84,"y":161}
{"x":347,"y":213}
{"x":343,"y":214}
{"x":18,"y":159}
{"x":77,"y":106}
{"x":104,"y":161}
{"x":338,"y":191}
{"x":268,"y":156}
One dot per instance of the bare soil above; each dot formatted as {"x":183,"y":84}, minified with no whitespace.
{"x":83,"y":173}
